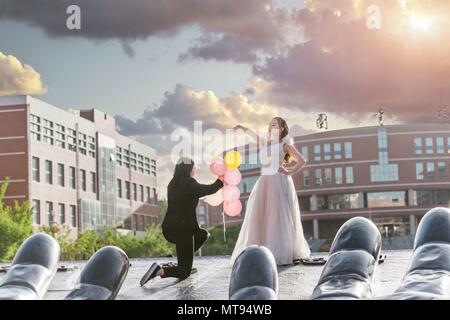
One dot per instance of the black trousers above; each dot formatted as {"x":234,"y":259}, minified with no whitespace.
{"x":187,"y":242}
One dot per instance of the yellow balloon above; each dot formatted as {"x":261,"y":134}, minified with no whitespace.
{"x":233,"y":159}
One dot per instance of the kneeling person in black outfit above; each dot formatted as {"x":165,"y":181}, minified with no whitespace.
{"x":180,"y":224}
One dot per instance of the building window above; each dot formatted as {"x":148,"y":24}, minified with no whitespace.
{"x":48,"y":211}
{"x":429,"y":145}
{"x":73,"y":215}
{"x":448,"y":145}
{"x":304,"y":203}
{"x":419,"y":171}
{"x":337,"y":151}
{"x":127,"y":189}
{"x":318,"y":177}
{"x":148,"y":193}
{"x":383,"y":171}
{"x":418,"y":145}
{"x":440,"y":144}
{"x":93,"y":189}
{"x":155,"y":196}
{"x":348,"y":150}
{"x":338,"y":175}
{"x":48,"y":172}
{"x":430,"y":169}
{"x":134,"y":192}
{"x":386,"y":199}
{"x":305,"y":178}
{"x":61,"y":174}
{"x":48,"y":132}
{"x":441,"y":169}
{"x":35,"y":169}
{"x":62,"y":213}
{"x":317,"y":156}
{"x":328,"y":176}
{"x":141,"y":192}
{"x":338,"y":201}
{"x":35,"y":127}
{"x":72,"y":177}
{"x":35,"y":136}
{"x":83,"y":179}
{"x":36,"y":211}
{"x":349,"y":174}
{"x":119,"y":188}
{"x":305,"y":152}
{"x":326,"y":151}
{"x":433,"y":197}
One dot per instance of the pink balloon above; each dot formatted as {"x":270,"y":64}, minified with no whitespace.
{"x":231,"y":193}
{"x":218,"y":167}
{"x":232,"y":208}
{"x":232,"y":177}
{"x":214,"y":199}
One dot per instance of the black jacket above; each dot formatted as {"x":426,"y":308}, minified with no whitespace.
{"x":182,"y":203}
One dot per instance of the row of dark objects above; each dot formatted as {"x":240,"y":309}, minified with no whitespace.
{"x":347,"y":274}
{"x":35,"y":265}
{"x":353,"y":258}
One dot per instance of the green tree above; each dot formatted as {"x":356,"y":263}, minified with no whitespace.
{"x":162,"y":209}
{"x":15,"y":225}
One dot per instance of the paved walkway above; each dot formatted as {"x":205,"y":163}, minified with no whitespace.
{"x":213,"y":276}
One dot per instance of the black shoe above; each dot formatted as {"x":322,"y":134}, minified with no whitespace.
{"x":194,"y":270}
{"x":168,"y":265}
{"x":150,"y":274}
{"x":313,"y":261}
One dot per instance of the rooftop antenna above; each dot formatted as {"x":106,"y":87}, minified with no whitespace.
{"x":380,"y":115}
{"x":322,"y":121}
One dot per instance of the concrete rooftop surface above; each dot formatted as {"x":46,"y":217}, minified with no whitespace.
{"x":212,"y":279}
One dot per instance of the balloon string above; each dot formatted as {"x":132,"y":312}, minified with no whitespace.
{"x":224,"y":227}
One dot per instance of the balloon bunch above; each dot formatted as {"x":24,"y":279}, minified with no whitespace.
{"x":230,"y":193}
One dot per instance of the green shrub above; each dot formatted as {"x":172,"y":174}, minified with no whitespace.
{"x":216,"y":246}
{"x":88,"y":242}
{"x":326,"y":245}
{"x":15,"y":225}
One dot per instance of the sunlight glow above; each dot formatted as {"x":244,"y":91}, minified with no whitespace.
{"x":420,"y":23}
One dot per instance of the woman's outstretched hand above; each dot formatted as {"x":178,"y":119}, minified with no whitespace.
{"x":221,"y":178}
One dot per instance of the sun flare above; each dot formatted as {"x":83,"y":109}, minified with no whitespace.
{"x":420,"y":23}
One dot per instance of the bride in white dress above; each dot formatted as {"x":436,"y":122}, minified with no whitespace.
{"x":272,"y":218}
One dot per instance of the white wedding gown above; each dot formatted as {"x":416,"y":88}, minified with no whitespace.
{"x":272,"y":218}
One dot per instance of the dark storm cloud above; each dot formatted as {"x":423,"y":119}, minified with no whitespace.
{"x":241,"y":27}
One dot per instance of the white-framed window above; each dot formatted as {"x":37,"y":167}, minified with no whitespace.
{"x":48,"y":172}
{"x":61,"y":174}
{"x":419,"y":171}
{"x":35,"y":169}
{"x":338,"y":175}
{"x":348,"y":150}
{"x":337,"y":151}
{"x":349,"y":175}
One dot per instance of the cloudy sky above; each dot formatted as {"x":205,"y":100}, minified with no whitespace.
{"x":159,"y":65}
